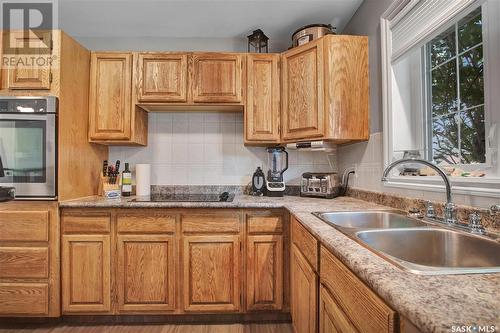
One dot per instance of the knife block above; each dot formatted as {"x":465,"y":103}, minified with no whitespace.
{"x":105,"y":186}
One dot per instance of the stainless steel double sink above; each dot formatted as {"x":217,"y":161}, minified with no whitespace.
{"x":415,"y":245}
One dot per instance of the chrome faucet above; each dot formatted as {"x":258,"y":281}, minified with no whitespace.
{"x":494,"y":210}
{"x":449,"y":208}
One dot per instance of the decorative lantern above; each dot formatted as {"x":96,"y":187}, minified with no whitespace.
{"x":257,"y":42}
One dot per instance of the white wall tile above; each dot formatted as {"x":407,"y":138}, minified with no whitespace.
{"x":195,"y":132}
{"x":195,"y":175}
{"x":207,"y":148}
{"x":179,"y":153}
{"x":212,"y":132}
{"x":195,"y":153}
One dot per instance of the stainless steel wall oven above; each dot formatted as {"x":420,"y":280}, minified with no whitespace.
{"x":28,"y":146}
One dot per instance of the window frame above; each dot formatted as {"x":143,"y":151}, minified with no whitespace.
{"x":486,"y":186}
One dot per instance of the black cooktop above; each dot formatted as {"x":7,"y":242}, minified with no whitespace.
{"x":187,"y":197}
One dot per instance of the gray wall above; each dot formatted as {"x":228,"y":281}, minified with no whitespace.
{"x":366,"y":21}
{"x":172,"y":44}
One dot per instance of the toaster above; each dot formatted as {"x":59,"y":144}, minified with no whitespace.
{"x":323,"y":185}
{"x":7,"y":193}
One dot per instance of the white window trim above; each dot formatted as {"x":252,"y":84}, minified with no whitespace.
{"x":487,"y":186}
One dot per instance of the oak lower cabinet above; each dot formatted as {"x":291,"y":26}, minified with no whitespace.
{"x":348,"y":302}
{"x":331,"y":317}
{"x":86,"y":273}
{"x":114,"y":117}
{"x":86,"y":262}
{"x":324,"y":94}
{"x":265,"y":272}
{"x":29,"y":259}
{"x":265,"y":278}
{"x":146,"y":259}
{"x":170,"y":261}
{"x":211,"y":273}
{"x":146,"y":273}
{"x":304,"y":293}
{"x":339,"y":301}
{"x":304,"y":279}
{"x":262,"y":113}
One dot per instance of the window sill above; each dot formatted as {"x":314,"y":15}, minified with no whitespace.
{"x":487,"y":186}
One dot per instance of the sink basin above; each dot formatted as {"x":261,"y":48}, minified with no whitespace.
{"x":434,"y":251}
{"x":369,"y":220}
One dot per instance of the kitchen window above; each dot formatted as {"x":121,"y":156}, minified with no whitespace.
{"x":456,"y":103}
{"x":441,"y":73}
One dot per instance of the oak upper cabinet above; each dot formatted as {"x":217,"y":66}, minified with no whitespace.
{"x":211,"y":273}
{"x":86,"y":263}
{"x":325,"y":90}
{"x":217,"y":78}
{"x":114,"y":118}
{"x":23,"y":75}
{"x":262,"y":112}
{"x":303,"y":114}
{"x":162,"y":77}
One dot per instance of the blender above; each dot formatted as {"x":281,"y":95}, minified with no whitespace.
{"x":277,"y":164}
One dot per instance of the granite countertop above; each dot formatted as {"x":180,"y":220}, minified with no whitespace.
{"x":432,"y":303}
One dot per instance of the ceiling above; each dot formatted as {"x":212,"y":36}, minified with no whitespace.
{"x":199,"y":19}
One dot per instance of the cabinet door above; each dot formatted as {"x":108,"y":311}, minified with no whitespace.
{"x":303,"y":114}
{"x":146,"y":273}
{"x":86,"y":271}
{"x":217,"y":78}
{"x":304,"y":288}
{"x":30,"y":71}
{"x":262,"y":112}
{"x":211,"y":273}
{"x":162,"y":77}
{"x":265,"y":272}
{"x":331,"y":318}
{"x":110,"y":106}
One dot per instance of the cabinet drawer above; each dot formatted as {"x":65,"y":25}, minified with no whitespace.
{"x":24,"y":226}
{"x":331,"y":317}
{"x":24,"y":299}
{"x":305,"y":242}
{"x":146,"y":223}
{"x":86,"y":223}
{"x":24,"y":262}
{"x":258,"y":224}
{"x":364,"y":308}
{"x":211,"y":223}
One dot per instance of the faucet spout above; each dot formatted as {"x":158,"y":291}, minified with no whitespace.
{"x":449,"y":207}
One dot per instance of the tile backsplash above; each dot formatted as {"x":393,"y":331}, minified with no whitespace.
{"x":206,"y":148}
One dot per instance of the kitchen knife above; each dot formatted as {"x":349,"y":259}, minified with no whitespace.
{"x":110,"y":172}
{"x":105,"y":168}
